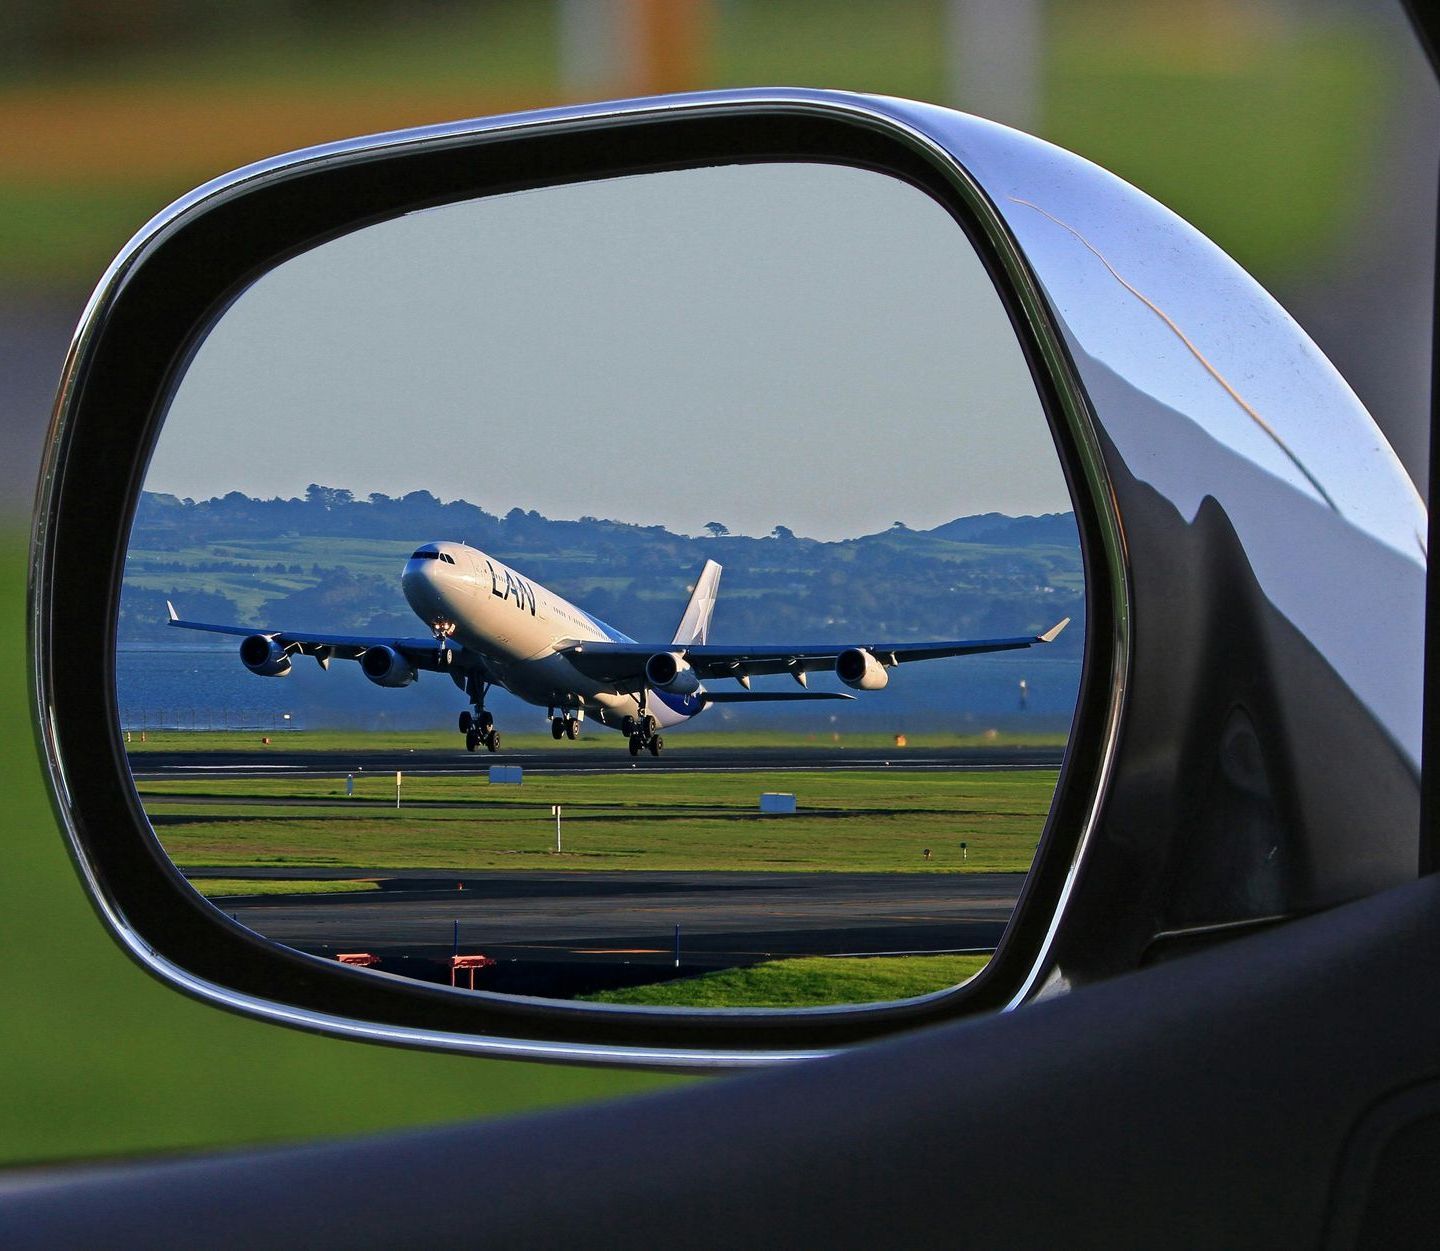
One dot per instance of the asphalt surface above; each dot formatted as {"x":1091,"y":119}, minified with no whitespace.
{"x":564,"y":933}
{"x":591,"y":930}
{"x":276,"y":760}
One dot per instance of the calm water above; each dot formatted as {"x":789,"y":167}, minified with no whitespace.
{"x":208,"y":688}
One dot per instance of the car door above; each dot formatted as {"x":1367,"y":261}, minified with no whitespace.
{"x":1277,"y":1089}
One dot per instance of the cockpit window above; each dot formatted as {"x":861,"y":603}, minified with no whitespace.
{"x":425,"y":553}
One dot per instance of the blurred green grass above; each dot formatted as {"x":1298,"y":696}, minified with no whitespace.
{"x":99,"y":1059}
{"x":1265,"y":152}
{"x":66,"y":236}
{"x":499,"y":43}
{"x":1260,"y":134}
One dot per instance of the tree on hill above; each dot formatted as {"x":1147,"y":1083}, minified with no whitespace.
{"x":325,"y":496}
{"x":973,"y":576}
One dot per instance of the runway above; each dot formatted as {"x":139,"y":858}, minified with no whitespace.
{"x":571,"y":932}
{"x":263,"y":761}
{"x":561,"y":933}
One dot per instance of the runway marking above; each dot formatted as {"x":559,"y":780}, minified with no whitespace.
{"x":618,"y":951}
{"x":300,"y":771}
{"x":230,"y":768}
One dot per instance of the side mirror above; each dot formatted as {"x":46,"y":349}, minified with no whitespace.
{"x":1245,"y":735}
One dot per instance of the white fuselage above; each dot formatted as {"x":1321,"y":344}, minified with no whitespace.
{"x":516,"y":625}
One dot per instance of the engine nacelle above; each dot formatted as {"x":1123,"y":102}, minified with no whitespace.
{"x":859,"y":669}
{"x":264,"y":656}
{"x":666,"y":671}
{"x":384,"y":666}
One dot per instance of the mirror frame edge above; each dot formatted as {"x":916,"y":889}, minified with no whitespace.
{"x":858,"y":128}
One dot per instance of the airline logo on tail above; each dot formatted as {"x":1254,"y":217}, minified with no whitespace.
{"x":694,"y":626}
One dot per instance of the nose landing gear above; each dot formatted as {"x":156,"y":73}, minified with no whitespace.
{"x":565,"y":727}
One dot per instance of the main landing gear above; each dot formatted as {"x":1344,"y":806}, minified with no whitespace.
{"x":643,"y":733}
{"x":479,"y":731}
{"x":478,"y":727}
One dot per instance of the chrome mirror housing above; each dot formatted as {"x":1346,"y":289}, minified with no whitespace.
{"x":1275,"y":567}
{"x":1246,"y":743}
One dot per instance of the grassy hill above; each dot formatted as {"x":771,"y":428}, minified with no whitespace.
{"x":332,"y":562}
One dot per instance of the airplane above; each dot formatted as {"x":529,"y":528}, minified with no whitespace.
{"x":490,"y":626}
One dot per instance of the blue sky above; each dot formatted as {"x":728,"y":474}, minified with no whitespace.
{"x":797,"y":344}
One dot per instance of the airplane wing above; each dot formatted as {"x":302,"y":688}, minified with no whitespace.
{"x":423,"y":653}
{"x":623,"y":664}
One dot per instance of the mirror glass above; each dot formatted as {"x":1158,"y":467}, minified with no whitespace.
{"x":623,"y":590}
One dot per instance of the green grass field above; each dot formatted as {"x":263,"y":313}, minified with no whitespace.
{"x":253,"y":581}
{"x":813,"y":981}
{"x":863,"y":821}
{"x":1188,"y":110}
{"x":232,"y":887}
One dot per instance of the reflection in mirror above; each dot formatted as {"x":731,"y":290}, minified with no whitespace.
{"x":453,"y":685}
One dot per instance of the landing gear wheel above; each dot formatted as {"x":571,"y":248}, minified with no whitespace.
{"x":651,"y":725}
{"x":487,"y":721}
{"x":634,"y":744}
{"x":656,"y":743}
{"x":466,"y":721}
{"x":492,"y":741}
{"x":572,"y":728}
{"x":472,"y":740}
{"x":557,"y":727}
{"x":627,"y":726}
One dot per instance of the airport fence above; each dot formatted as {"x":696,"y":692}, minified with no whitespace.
{"x":139,"y":720}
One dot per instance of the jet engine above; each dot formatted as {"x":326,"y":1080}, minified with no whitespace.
{"x":859,"y":669}
{"x":667,"y":671}
{"x":263,"y":655}
{"x":384,"y":666}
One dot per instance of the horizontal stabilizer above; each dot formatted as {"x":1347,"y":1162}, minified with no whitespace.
{"x":766,"y":697}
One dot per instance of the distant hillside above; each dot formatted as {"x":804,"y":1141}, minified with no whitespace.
{"x":332,"y":561}
{"x":1002,"y":531}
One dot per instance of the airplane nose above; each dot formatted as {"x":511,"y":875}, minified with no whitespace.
{"x":422,"y":582}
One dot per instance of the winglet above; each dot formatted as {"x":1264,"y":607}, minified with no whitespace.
{"x":1053,"y":632}
{"x":170,"y":608}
